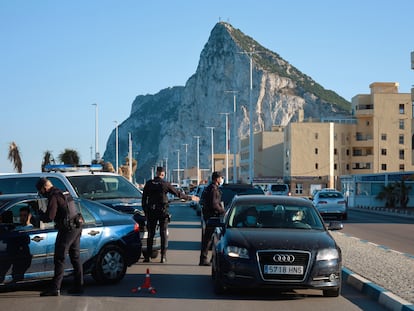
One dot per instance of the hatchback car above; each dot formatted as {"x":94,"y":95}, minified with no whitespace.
{"x":275,"y":242}
{"x":110,"y":241}
{"x":331,"y":204}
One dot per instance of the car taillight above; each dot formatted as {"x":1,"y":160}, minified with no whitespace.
{"x":341,"y":202}
{"x":136,"y":227}
{"x":322,"y":202}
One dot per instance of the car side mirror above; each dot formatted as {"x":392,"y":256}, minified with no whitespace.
{"x":335,"y":225}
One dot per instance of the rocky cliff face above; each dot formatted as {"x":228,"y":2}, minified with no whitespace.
{"x":161,"y":123}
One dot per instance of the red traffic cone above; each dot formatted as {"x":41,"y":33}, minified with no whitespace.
{"x":147,"y":285}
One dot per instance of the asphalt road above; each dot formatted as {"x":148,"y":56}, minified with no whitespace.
{"x":180,"y":284}
{"x":392,"y":231}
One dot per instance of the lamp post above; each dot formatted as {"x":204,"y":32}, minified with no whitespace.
{"x":212,"y":147}
{"x":227,"y":145}
{"x":234,"y":135}
{"x":178,"y":167}
{"x":186,"y":150}
{"x":116,"y":147}
{"x":198,"y":159}
{"x":130,"y":156}
{"x":96,"y":133}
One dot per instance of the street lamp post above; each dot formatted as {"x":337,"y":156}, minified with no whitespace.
{"x":212,"y":147}
{"x":186,"y":150}
{"x":116,"y":147}
{"x":178,"y":167}
{"x":96,"y":133}
{"x":227,"y":145}
{"x":198,"y":159}
{"x":130,"y":156}
{"x":234,"y":136}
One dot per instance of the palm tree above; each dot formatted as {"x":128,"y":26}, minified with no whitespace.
{"x":47,"y":159}
{"x":14,"y":157}
{"x":69,"y":156}
{"x":388,"y":194}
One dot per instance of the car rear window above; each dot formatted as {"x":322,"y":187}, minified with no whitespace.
{"x":331,"y":195}
{"x":279,"y":188}
{"x":15,"y":185}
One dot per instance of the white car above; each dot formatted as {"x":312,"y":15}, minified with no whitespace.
{"x":331,"y":203}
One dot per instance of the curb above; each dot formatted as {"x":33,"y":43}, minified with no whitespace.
{"x":372,"y":290}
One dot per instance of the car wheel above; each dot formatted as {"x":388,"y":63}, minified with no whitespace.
{"x":110,"y":266}
{"x":331,"y":292}
{"x":219,"y":287}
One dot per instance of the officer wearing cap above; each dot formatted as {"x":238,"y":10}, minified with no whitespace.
{"x":67,"y":239}
{"x":155,"y":205}
{"x":212,"y":207}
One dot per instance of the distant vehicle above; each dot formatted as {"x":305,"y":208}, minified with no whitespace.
{"x":88,"y":182}
{"x":331,"y":204}
{"x":278,"y":189}
{"x":286,"y":246}
{"x":198,"y":192}
{"x":110,"y":241}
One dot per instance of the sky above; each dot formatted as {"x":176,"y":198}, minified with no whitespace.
{"x":66,"y":64}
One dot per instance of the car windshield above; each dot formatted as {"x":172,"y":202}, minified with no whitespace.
{"x":278,"y":188}
{"x":227,"y":194}
{"x":103,"y":187}
{"x":273,"y":216}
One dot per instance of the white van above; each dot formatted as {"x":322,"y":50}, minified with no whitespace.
{"x":278,"y":189}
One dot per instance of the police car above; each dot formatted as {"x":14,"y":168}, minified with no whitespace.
{"x":87,"y":182}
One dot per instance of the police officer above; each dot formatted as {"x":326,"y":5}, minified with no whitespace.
{"x":212,"y":207}
{"x":155,"y":205}
{"x":68,"y":236}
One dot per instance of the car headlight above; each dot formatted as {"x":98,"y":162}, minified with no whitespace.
{"x":237,"y":252}
{"x":327,"y":254}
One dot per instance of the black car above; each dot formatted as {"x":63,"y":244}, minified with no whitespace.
{"x":279,"y":242}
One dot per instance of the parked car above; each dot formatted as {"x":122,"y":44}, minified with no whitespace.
{"x":331,"y":204}
{"x":198,"y":192}
{"x":88,"y":182}
{"x":110,"y":241}
{"x":277,"y":189}
{"x":285,"y":246}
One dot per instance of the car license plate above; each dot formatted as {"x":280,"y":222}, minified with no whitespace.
{"x":277,"y":269}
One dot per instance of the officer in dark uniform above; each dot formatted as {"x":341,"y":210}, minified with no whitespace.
{"x":68,"y":236}
{"x":155,"y":205}
{"x":212,"y":207}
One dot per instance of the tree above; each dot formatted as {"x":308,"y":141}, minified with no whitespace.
{"x":388,"y":194}
{"x":402,"y":190}
{"x":69,"y":156}
{"x":14,"y":157}
{"x":47,"y":159}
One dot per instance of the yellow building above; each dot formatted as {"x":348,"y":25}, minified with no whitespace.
{"x":309,"y":155}
{"x":383,"y":137}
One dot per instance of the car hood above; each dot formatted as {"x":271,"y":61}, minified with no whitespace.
{"x":294,"y":239}
{"x":124,"y":205}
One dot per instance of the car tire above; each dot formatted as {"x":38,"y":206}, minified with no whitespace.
{"x":331,"y":292}
{"x":219,"y":288}
{"x":110,"y":266}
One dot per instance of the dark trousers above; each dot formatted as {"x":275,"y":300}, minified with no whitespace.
{"x":205,"y":243}
{"x":154,"y":218}
{"x":68,"y":242}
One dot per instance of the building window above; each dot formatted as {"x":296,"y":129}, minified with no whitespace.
{"x":383,"y":136}
{"x":402,"y":108}
{"x":299,"y":189}
{"x":316,"y":166}
{"x":402,"y":167}
{"x":401,"y":154}
{"x":401,"y":124}
{"x":316,"y":150}
{"x":335,"y":166}
{"x":347,"y":152}
{"x":335,"y":151}
{"x":401,"y":139}
{"x":383,"y":152}
{"x":347,"y":167}
{"x":316,"y":135}
{"x":384,"y":167}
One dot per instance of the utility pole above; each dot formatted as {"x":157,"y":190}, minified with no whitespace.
{"x":235,"y":140}
{"x":212,"y":147}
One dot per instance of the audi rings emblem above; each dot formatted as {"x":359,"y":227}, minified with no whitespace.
{"x":285,"y":258}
